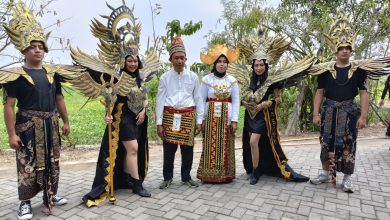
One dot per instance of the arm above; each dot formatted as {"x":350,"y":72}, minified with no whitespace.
{"x":202,"y":98}
{"x":361,"y":123}
{"x":142,"y":114}
{"x":319,"y":96}
{"x":235,"y":102}
{"x":60,"y":103}
{"x":235,"y":107}
{"x":199,"y":106}
{"x":200,"y":101}
{"x":160,"y":101}
{"x":9,"y":119}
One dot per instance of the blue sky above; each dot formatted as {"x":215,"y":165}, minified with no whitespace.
{"x":80,"y":13}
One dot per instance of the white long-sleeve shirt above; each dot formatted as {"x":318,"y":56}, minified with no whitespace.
{"x":178,"y":91}
{"x":207,"y":91}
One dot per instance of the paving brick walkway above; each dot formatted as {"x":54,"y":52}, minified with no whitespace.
{"x":271,"y":198}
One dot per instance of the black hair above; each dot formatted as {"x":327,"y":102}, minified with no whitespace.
{"x":256,"y":78}
{"x":135,"y":74}
{"x":349,"y":47}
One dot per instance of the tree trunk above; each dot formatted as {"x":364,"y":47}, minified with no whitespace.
{"x":302,"y":89}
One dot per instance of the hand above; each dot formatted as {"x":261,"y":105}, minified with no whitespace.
{"x":160,"y":131}
{"x":278,"y":100}
{"x":257,"y":107}
{"x":246,"y":105}
{"x":381,"y":103}
{"x":317,"y":119}
{"x":233,"y":127}
{"x":66,"y":129}
{"x":361,"y":123}
{"x":140,"y":117}
{"x":15,"y":142}
{"x":108,"y":119}
{"x":198,"y":129}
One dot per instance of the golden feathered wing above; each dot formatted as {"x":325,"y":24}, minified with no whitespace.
{"x":65,"y":71}
{"x":241,"y":72}
{"x":151,"y":66}
{"x":92,"y":62}
{"x":289,"y":74}
{"x":87,"y":86}
{"x":12,"y":74}
{"x":373,"y":67}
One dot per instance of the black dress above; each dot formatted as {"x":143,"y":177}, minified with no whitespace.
{"x":257,"y":125}
{"x":272,"y":159}
{"x":124,"y":131}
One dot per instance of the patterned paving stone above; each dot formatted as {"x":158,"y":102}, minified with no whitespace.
{"x":270,"y":198}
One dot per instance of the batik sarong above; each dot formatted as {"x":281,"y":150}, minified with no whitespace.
{"x":37,"y":159}
{"x":338,"y":136}
{"x":217,"y":162}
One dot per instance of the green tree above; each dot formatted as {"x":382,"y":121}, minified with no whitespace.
{"x":304,"y":22}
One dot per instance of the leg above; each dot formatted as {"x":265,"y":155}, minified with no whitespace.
{"x":168,"y":163}
{"x":131,"y":167}
{"x":254,"y":142}
{"x":187,"y":155}
{"x":169,"y":158}
{"x":131,"y":163}
{"x":324,"y":175}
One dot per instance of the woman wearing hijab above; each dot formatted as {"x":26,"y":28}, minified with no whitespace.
{"x":220,"y":95}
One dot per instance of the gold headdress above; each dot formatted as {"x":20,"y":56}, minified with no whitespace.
{"x":116,"y":43}
{"x":24,"y":27}
{"x":271,"y":49}
{"x":262,"y":48}
{"x":341,"y":34}
{"x":218,"y":50}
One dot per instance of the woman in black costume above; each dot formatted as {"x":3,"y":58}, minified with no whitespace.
{"x":129,"y":129}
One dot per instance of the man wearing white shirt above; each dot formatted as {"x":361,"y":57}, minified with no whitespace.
{"x":178,"y":109}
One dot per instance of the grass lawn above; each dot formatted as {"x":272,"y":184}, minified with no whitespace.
{"x":87,"y":124}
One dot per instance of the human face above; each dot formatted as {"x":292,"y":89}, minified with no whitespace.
{"x":131,"y":63}
{"x":259,"y":67}
{"x":343,"y":53}
{"x":221,"y":64}
{"x":34,"y":53}
{"x":178,"y":60}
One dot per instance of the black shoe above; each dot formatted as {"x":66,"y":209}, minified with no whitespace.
{"x":25,"y":211}
{"x":254,"y":178}
{"x":138,"y":189}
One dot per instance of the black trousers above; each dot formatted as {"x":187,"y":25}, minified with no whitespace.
{"x":187,"y":155}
